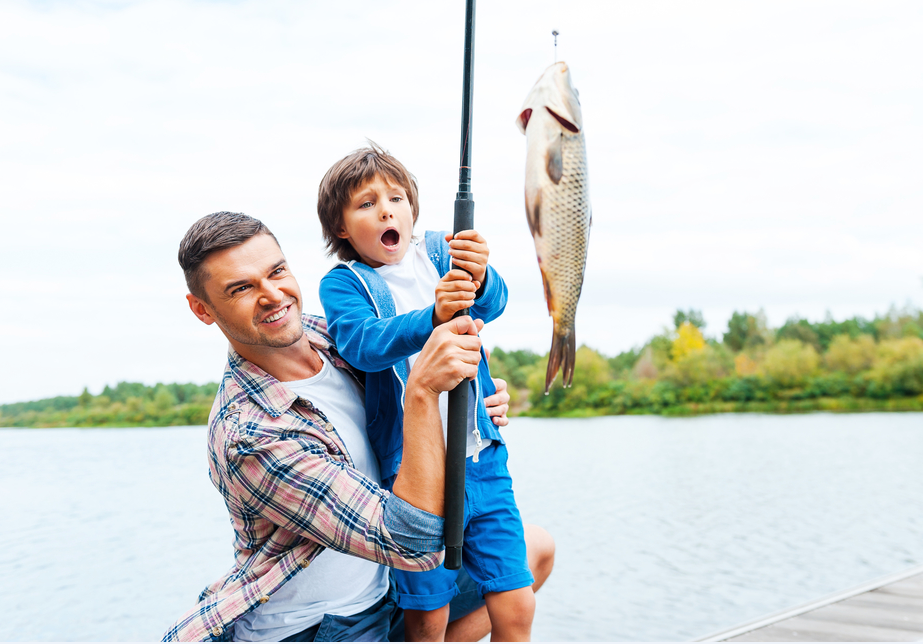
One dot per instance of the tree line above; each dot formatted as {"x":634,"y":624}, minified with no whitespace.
{"x":128,"y":404}
{"x":851,"y":365}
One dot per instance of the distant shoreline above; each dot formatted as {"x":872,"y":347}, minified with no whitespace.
{"x":834,"y":405}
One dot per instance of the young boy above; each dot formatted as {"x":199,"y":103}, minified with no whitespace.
{"x":382,"y":304}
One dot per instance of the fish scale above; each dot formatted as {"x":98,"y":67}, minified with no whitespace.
{"x":566,"y":233}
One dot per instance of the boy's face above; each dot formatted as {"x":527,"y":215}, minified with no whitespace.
{"x":378,"y":222}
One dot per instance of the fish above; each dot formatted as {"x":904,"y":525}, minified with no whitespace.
{"x":557,"y":205}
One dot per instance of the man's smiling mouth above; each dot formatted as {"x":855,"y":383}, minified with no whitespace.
{"x":391,"y":238}
{"x":278,"y":316}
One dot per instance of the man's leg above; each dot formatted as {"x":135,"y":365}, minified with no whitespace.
{"x":540,"y":551}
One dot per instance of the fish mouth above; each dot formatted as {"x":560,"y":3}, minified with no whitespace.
{"x":391,"y":239}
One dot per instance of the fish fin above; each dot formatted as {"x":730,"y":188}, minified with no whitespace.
{"x":570,"y":358}
{"x":565,"y":122}
{"x":533,"y":213}
{"x":554,"y":161}
{"x":522,"y":121}
{"x":563,"y":351}
{"x":547,"y":289}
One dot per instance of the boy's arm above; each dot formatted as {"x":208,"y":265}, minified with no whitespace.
{"x":365,"y":341}
{"x":491,"y":300}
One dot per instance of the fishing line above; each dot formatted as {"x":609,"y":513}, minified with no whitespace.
{"x":555,"y":32}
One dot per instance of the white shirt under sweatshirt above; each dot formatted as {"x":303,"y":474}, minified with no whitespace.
{"x":412,"y":283}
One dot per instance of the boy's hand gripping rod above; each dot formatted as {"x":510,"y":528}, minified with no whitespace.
{"x":457,"y":431}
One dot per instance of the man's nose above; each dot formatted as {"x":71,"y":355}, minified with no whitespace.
{"x":270,"y":294}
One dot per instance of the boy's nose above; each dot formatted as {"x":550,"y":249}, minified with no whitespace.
{"x":386,"y":214}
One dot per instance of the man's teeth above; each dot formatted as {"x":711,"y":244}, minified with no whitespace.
{"x":277,"y":316}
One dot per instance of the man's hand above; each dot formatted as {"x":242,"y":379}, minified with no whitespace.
{"x":469,"y":251}
{"x":498,"y":404}
{"x":451,"y":354}
{"x":454,"y":292}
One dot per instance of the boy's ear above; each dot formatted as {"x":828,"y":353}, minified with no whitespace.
{"x":342,"y":234}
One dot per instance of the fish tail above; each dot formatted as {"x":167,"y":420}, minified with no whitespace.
{"x":563,"y":353}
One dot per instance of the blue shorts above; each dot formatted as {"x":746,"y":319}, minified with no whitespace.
{"x":494,"y":552}
{"x":384,"y":622}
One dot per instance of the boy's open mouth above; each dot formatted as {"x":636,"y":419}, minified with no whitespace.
{"x":390,"y":238}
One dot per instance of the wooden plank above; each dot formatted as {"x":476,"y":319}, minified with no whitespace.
{"x":906,"y":598}
{"x":849,"y":632}
{"x":866,"y":614}
{"x":885,"y":599}
{"x":776,"y":634}
{"x":870,"y":616}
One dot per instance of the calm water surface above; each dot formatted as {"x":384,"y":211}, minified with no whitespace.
{"x":666,"y":528}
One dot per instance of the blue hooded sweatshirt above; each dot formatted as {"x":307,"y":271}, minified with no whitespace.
{"x":370,"y":336}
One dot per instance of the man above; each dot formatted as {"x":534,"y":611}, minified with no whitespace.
{"x":288,"y":451}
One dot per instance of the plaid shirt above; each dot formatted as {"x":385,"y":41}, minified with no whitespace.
{"x":291,"y":490}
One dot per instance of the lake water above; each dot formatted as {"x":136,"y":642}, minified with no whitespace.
{"x":666,"y":529}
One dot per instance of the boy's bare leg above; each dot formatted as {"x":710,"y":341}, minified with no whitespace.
{"x":511,"y":613}
{"x":426,"y":625}
{"x":540,"y":552}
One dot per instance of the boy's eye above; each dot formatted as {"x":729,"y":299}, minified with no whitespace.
{"x":397,"y":199}
{"x":367,"y":204}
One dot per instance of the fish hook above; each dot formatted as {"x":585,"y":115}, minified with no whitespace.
{"x":555,"y":32}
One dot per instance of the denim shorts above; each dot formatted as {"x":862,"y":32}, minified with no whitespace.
{"x":494,"y":552}
{"x":384,"y":622}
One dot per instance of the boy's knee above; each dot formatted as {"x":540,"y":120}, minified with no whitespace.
{"x":426,"y":625}
{"x":515,"y":609}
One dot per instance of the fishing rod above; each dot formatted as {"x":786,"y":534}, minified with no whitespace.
{"x":457,"y":430}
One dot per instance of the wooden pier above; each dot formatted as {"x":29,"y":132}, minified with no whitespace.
{"x":889,"y":609}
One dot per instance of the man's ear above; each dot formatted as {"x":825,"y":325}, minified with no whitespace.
{"x":200,"y":309}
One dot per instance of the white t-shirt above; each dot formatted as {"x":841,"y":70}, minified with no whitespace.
{"x":334,"y":583}
{"x":412,"y":283}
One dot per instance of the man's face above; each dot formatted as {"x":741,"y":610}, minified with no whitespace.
{"x":251,"y":295}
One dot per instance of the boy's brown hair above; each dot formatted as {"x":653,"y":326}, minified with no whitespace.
{"x":348,"y":175}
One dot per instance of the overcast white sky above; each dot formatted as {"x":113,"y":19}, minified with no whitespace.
{"x":742,"y":155}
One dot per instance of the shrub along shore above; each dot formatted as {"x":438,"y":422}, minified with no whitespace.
{"x":848,"y":366}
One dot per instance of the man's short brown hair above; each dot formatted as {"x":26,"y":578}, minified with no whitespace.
{"x":214,"y":232}
{"x":348,"y":175}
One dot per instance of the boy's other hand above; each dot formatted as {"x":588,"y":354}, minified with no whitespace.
{"x":454,"y":292}
{"x":469,"y":251}
{"x":499,"y":403}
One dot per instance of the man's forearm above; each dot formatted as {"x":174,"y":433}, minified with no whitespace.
{"x":421,"y":479}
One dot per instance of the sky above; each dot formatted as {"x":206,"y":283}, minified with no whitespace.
{"x":741,"y":156}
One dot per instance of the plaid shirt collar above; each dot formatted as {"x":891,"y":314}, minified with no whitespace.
{"x":267,"y":392}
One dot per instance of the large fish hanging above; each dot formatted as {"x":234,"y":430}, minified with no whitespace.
{"x":557,"y":205}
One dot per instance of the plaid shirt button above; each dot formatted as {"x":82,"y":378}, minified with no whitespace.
{"x":264,"y":599}
{"x":217,"y":631}
{"x":305,"y":562}
{"x":232,"y":406}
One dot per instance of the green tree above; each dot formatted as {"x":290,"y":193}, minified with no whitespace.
{"x":691,"y":316}
{"x":790,"y":362}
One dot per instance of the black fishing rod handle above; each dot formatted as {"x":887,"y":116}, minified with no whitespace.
{"x":457,"y":432}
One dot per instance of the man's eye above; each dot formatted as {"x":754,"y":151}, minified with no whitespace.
{"x":240,"y":289}
{"x":279,"y":270}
